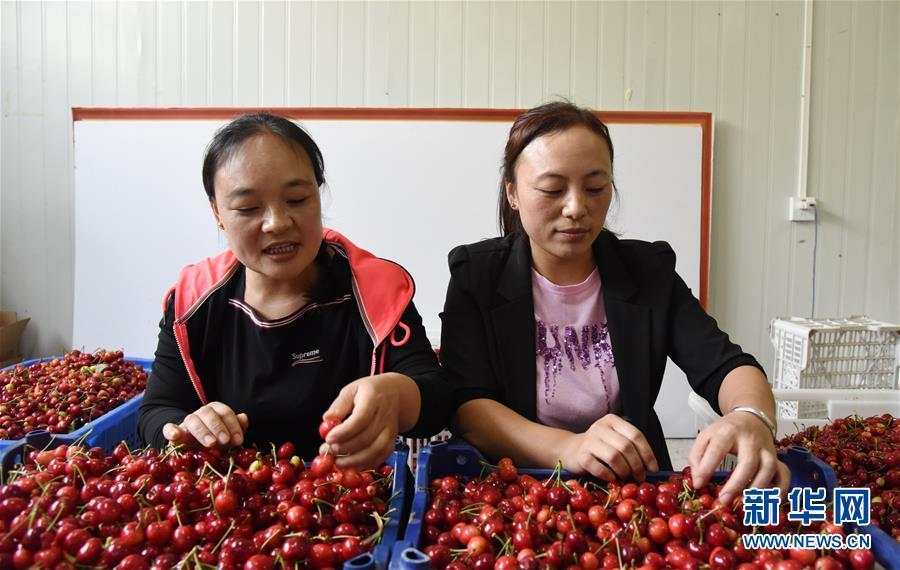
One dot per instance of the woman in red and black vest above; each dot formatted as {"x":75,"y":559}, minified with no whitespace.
{"x":293,"y":322}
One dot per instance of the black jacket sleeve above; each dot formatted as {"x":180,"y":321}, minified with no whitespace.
{"x":417,"y":359}
{"x":699,"y":347}
{"x":169,"y":396}
{"x":464,"y":341}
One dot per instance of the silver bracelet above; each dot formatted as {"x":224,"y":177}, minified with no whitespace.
{"x":759,"y":414}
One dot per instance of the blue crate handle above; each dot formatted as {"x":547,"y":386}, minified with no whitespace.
{"x":381,"y":554}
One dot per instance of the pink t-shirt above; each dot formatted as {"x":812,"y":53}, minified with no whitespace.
{"x":577,"y":382}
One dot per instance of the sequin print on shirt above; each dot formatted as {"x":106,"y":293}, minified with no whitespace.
{"x":594,"y":344}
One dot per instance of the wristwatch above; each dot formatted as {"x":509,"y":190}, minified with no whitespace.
{"x":759,"y":414}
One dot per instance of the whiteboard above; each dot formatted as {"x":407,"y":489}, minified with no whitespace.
{"x":406,"y":190}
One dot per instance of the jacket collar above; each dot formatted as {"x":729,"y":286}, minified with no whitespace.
{"x":617,"y":281}
{"x":515,"y":281}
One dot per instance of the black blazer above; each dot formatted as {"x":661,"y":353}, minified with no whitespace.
{"x":488,"y":330}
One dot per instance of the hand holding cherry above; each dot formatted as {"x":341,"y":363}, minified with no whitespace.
{"x":211,"y":425}
{"x":362,"y":423}
{"x":747,"y":437}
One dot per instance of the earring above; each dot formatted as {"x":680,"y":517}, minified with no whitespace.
{"x":221,"y":226}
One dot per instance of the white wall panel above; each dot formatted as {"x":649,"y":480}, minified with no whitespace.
{"x":377,"y":53}
{"x":222,"y":61}
{"x":299,"y":56}
{"x":728,"y":176}
{"x":612,"y":55}
{"x":706,"y":31}
{"x":738,"y":60}
{"x":656,"y":56}
{"x":530,"y":53}
{"x":79,"y":53}
{"x":679,"y":57}
{"x":104,"y":64}
{"x":422,"y":55}
{"x":9,"y":136}
{"x":449,"y":61}
{"x":828,"y":164}
{"x":558,"y":51}
{"x":504,"y":54}
{"x":352,"y":76}
{"x":783,"y":165}
{"x":399,"y":54}
{"x":246,"y":68}
{"x":170,"y":36}
{"x":57,"y":261}
{"x":273,"y":68}
{"x":884,"y":252}
{"x":856,"y":231}
{"x":196,"y":48}
{"x":136,"y":52}
{"x":635,"y":49}
{"x":477,"y":54}
{"x":585,"y":52}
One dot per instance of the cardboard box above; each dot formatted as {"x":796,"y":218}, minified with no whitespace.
{"x":11,"y":330}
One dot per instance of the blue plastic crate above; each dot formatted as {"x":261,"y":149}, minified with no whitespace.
{"x":377,"y":559}
{"x":380,"y":556}
{"x":460,"y":458}
{"x":884,"y":547}
{"x":119,"y":424}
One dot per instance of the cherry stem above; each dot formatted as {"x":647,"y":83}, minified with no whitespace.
{"x":224,"y":536}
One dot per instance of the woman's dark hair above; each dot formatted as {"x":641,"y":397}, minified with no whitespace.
{"x":229,"y":138}
{"x":533,"y":123}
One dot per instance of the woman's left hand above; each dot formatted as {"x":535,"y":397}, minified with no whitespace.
{"x":747,"y":437}
{"x":371,"y":406}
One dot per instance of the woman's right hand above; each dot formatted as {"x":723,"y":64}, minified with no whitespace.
{"x":610,"y":449}
{"x":213,"y":424}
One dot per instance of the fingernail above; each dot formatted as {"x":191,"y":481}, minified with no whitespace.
{"x":209,"y":440}
{"x":239,"y":440}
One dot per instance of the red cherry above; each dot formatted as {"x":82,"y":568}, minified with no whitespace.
{"x":328,"y":424}
{"x":721,"y":559}
{"x":658,"y":530}
{"x":861,"y":559}
{"x":803,"y":556}
{"x":625,"y":509}
{"x":679,"y":526}
{"x":322,"y":465}
{"x":508,"y":562}
{"x":133,"y":562}
{"x":259,"y":562}
{"x":225,"y":502}
{"x":827,"y":563}
{"x":286,"y":451}
{"x":299,"y":518}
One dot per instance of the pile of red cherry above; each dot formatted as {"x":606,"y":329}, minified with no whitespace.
{"x":63,"y":394}
{"x":509,"y":521}
{"x":74,"y":507}
{"x":864,"y":452}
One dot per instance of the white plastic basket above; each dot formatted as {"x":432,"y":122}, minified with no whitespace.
{"x":856,"y":352}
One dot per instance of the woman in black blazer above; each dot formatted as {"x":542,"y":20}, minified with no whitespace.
{"x":555,"y":192}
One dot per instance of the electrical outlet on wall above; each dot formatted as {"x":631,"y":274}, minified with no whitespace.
{"x":801,"y":209}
